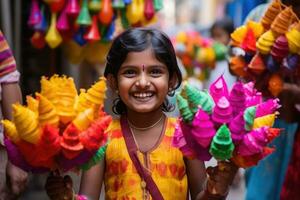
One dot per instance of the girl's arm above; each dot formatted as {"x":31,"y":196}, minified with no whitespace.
{"x":91,"y":181}
{"x":196,"y":174}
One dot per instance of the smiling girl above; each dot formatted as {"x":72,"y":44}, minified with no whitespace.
{"x":140,"y":161}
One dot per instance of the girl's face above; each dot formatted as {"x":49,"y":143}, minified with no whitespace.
{"x":143,"y":82}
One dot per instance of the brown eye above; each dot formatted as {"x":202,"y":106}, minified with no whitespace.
{"x":156,"y":72}
{"x":129,"y":73}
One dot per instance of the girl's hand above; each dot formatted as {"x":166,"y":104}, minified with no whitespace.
{"x":220,"y":177}
{"x":59,"y":188}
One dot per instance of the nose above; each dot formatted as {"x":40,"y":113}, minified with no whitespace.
{"x":143,"y":81}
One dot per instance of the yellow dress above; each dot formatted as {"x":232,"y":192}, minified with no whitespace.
{"x":165,"y":163}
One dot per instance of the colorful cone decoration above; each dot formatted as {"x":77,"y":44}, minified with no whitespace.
{"x":238,"y":35}
{"x":57,"y":5}
{"x":26,"y":123}
{"x":84,"y":119}
{"x":184,"y":109}
{"x":237,"y":129}
{"x":275,"y":85}
{"x":281,"y":23}
{"x":253,"y":142}
{"x":203,"y":128}
{"x":257,"y":65}
{"x":70,"y":143}
{"x":237,"y":65}
{"x":53,"y":37}
{"x":249,"y":161}
{"x":35,"y":16}
{"x":38,"y":40}
{"x":222,"y":112}
{"x":47,"y":112}
{"x":94,"y":96}
{"x":32,"y":104}
{"x":73,"y":8}
{"x":133,"y":12}
{"x":158,"y":4}
{"x":256,"y":27}
{"x":280,"y":48}
{"x":84,"y":17}
{"x":106,"y":12}
{"x":95,"y":135}
{"x":248,"y":43}
{"x":193,"y":97}
{"x":237,"y":98}
{"x":267,"y":120}
{"x":271,"y":13}
{"x":265,"y":42}
{"x":249,"y":116}
{"x":149,"y":9}
{"x":222,"y":147}
{"x":293,"y":37}
{"x":62,"y":93}
{"x":10,"y":131}
{"x":94,"y":6}
{"x":92,"y":34}
{"x":62,"y":22}
{"x":179,"y":141}
{"x":218,"y":89}
{"x":267,"y":107}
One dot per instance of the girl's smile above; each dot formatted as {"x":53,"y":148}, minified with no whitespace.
{"x":143,"y":81}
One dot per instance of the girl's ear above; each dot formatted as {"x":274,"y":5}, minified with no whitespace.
{"x":112,"y":82}
{"x":173,"y":81}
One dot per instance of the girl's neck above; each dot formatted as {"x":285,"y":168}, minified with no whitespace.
{"x":144,"y":119}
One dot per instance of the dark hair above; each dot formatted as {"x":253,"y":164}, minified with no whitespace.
{"x":225,"y":23}
{"x":137,"y":40}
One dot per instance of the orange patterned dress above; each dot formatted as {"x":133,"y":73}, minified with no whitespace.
{"x":165,"y":163}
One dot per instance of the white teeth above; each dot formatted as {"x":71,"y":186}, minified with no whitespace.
{"x":142,"y":95}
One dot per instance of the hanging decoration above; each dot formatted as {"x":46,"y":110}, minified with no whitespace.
{"x":231,"y":125}
{"x":87,"y":21}
{"x":268,"y":51}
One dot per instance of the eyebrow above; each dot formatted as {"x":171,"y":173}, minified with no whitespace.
{"x":143,"y":66}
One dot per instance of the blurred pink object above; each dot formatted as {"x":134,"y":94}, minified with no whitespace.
{"x":218,"y":89}
{"x":73,"y":8}
{"x":253,"y":142}
{"x":237,"y":98}
{"x":237,"y":129}
{"x":203,"y":129}
{"x":222,"y":112}
{"x":35,"y":16}
{"x":62,"y":22}
{"x":267,"y":107}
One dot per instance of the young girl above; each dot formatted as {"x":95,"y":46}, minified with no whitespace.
{"x":140,"y":161}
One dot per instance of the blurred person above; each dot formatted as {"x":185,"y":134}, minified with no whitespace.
{"x":15,"y":177}
{"x":265,"y":181}
{"x":221,"y":29}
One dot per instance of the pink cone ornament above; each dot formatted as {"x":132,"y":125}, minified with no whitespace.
{"x":35,"y":16}
{"x":63,"y":23}
{"x":73,"y":8}
{"x":149,"y":9}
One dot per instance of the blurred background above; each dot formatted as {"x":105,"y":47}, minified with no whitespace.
{"x":84,"y":59}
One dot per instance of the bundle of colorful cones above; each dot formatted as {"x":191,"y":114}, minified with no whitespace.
{"x":235,"y":125}
{"x":271,"y":48}
{"x":57,"y":127}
